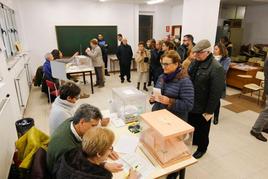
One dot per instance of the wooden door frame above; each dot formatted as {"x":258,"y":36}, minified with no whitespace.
{"x":173,"y":29}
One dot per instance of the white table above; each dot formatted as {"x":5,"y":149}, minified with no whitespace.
{"x":158,"y":171}
{"x":74,"y":69}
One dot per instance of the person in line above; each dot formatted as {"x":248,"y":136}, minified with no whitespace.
{"x":88,"y":161}
{"x":119,"y":38}
{"x":229,"y":46}
{"x":221,"y":55}
{"x":96,"y":55}
{"x":124,"y":54}
{"x":186,"y":46}
{"x":207,"y":76}
{"x":69,"y":135}
{"x":177,"y":91}
{"x":155,"y":64}
{"x":261,"y":124}
{"x":187,"y":62}
{"x":167,"y":45}
{"x":104,"y":50}
{"x":152,"y":47}
{"x":64,"y":105}
{"x":142,"y":58}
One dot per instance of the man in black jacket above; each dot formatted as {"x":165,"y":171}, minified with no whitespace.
{"x":207,"y":76}
{"x":187,"y":44}
{"x":124,"y":54}
{"x":104,"y":50}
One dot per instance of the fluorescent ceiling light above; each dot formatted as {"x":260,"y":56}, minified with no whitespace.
{"x":155,"y":1}
{"x":103,"y":0}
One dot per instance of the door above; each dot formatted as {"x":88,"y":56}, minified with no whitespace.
{"x":145,"y":27}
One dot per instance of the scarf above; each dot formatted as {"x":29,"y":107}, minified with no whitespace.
{"x":169,"y":77}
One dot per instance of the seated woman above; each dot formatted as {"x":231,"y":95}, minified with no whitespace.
{"x":177,"y":91}
{"x":89,"y":161}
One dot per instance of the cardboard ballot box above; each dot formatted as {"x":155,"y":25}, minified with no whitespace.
{"x":167,"y":137}
{"x":128,"y":103}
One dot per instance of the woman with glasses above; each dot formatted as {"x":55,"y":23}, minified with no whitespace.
{"x":177,"y":92}
{"x":88,"y":161}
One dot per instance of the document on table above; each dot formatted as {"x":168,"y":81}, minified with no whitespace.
{"x":135,"y":161}
{"x":117,"y":122}
{"x":126,"y":144}
{"x":157,"y":93}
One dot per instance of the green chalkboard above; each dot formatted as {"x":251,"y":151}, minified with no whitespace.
{"x":73,"y":39}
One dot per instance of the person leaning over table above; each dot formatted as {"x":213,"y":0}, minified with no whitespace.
{"x":88,"y":161}
{"x":142,"y":58}
{"x":63,"y":106}
{"x":69,"y":136}
{"x":96,"y":55}
{"x":207,"y":76}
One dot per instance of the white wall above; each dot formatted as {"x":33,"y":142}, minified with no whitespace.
{"x":176,"y":14}
{"x":256,"y":24}
{"x":40,"y":17}
{"x":200,"y":18}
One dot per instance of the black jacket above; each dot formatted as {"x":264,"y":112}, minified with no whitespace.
{"x":74,"y":165}
{"x":208,"y":80}
{"x":124,"y":54}
{"x":182,"y":51}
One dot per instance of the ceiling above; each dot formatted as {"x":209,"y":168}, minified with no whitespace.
{"x":244,"y":2}
{"x":143,"y":1}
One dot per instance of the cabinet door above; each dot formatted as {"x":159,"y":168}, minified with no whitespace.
{"x":8,"y":136}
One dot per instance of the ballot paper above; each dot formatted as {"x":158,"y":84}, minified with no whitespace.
{"x":157,"y":94}
{"x":135,"y":161}
{"x":126,"y":144}
{"x":117,"y":122}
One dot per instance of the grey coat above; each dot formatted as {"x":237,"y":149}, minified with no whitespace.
{"x":96,"y":55}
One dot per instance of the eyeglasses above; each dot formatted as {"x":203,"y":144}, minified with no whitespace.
{"x":111,"y":148}
{"x":166,"y":64}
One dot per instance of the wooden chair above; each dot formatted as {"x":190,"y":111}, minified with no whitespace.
{"x":52,"y":90}
{"x":252,"y":87}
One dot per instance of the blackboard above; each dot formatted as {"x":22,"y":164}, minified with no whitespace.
{"x":73,"y":39}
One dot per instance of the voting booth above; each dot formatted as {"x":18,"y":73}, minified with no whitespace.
{"x":128,"y":103}
{"x":167,"y":137}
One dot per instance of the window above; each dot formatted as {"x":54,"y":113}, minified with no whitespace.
{"x":8,"y":30}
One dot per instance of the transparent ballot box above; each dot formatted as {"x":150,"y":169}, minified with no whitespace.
{"x":166,"y":137}
{"x":128,"y":103}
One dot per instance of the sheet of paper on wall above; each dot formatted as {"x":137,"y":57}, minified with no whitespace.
{"x":135,"y":161}
{"x":157,"y":93}
{"x":126,"y":144}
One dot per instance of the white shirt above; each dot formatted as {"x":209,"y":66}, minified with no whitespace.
{"x":75,"y":133}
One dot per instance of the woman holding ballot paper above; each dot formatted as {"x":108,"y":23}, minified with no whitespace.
{"x":174,"y":90}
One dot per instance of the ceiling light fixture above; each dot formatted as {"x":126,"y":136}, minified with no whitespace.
{"x":155,"y":1}
{"x":103,"y":0}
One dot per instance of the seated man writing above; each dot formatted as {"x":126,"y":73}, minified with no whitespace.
{"x":89,"y":161}
{"x":69,"y":135}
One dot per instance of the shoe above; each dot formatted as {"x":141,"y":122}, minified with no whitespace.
{"x":198,"y":154}
{"x":265,"y":131}
{"x":122,"y":81}
{"x":149,"y":84}
{"x":129,"y":81}
{"x":107,"y":74}
{"x":216,"y":120}
{"x":144,"y":87}
{"x":84,"y":95}
{"x":258,"y":136}
{"x":100,"y":86}
{"x":96,"y":84}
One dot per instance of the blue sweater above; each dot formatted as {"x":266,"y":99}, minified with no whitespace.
{"x":47,"y":70}
{"x":182,"y":93}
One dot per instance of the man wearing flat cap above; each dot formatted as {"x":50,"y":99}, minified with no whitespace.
{"x":207,"y":76}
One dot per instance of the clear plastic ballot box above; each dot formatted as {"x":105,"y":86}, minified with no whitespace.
{"x":128,"y":103}
{"x":166,"y":137}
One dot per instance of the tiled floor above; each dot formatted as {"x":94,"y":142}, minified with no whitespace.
{"x":232,"y":154}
